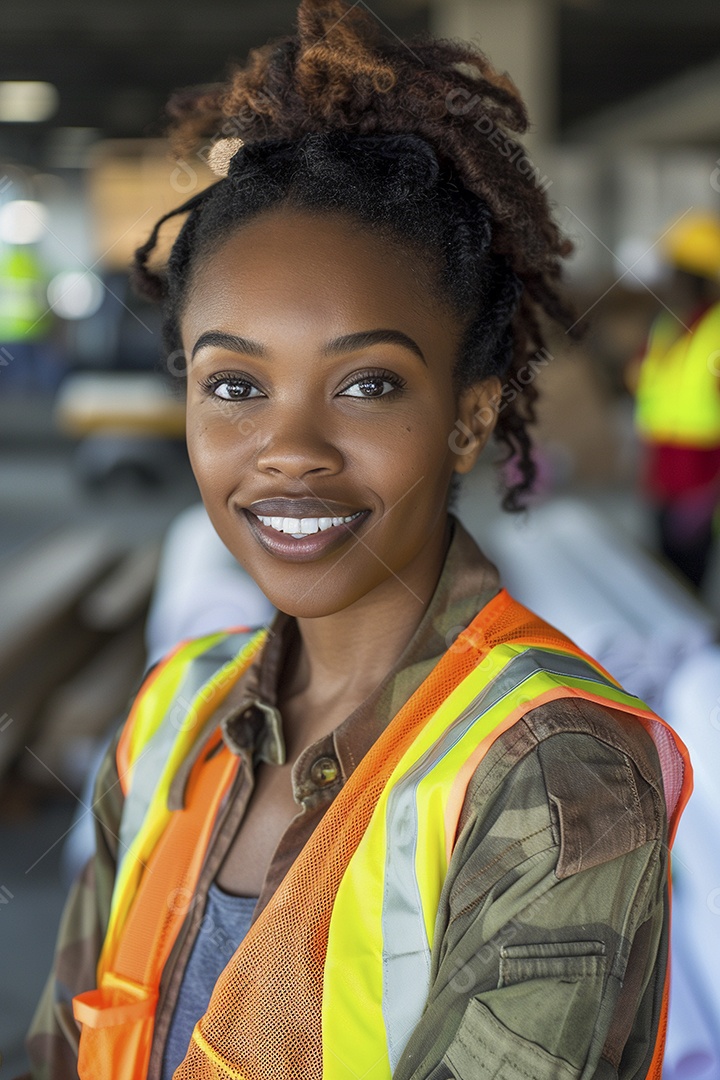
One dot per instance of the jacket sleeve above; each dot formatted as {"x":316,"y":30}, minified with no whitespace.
{"x":551,"y":939}
{"x":52,"y":1041}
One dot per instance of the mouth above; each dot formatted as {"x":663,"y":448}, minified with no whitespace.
{"x":300,"y":536}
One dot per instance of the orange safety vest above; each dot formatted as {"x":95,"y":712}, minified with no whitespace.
{"x":334,"y":973}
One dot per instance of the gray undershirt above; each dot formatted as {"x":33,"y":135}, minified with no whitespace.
{"x":225,"y":923}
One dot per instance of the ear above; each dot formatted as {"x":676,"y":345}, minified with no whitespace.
{"x":478,"y":408}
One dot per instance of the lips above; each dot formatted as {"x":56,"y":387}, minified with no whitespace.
{"x":300,"y":530}
{"x":300,"y":508}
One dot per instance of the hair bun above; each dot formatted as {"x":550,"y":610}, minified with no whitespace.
{"x":403,"y":164}
{"x":408,"y":162}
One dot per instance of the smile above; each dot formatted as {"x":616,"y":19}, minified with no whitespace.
{"x":303,"y":539}
{"x":299,"y":528}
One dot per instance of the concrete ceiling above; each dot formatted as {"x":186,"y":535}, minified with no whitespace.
{"x":115,"y":61}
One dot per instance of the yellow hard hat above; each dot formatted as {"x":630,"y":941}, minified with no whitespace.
{"x":693,"y":244}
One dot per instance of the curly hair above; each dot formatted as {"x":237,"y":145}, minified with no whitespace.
{"x":415,"y":140}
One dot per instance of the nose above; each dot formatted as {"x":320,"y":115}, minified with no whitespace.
{"x":298,"y":448}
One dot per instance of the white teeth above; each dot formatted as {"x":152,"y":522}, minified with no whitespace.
{"x":301,"y":527}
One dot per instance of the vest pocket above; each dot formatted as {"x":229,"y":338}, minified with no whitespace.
{"x":117,"y":1031}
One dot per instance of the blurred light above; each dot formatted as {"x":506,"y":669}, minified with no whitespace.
{"x":644,"y":260}
{"x":27,"y":102}
{"x":73,"y":294}
{"x":22,"y":221}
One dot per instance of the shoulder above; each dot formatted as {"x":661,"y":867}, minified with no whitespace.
{"x":585,"y":774}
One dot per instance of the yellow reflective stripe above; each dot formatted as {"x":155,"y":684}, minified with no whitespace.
{"x":352,"y":1016}
{"x":205,"y":702}
{"x":150,"y":762}
{"x":432,"y":855}
{"x":150,"y":711}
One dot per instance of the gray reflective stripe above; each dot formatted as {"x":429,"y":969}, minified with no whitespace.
{"x":151,"y":762}
{"x":406,"y":949}
{"x":230,"y":646}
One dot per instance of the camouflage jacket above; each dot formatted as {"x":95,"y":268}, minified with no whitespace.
{"x":552,"y":931}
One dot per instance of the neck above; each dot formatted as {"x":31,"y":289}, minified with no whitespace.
{"x":344,"y":656}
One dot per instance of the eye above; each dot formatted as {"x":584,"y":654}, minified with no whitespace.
{"x":230,"y":388}
{"x":373,"y":385}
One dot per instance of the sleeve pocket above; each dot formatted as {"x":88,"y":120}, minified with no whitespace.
{"x":568,"y":960}
{"x":484,"y":1049}
{"x":539,"y":1022}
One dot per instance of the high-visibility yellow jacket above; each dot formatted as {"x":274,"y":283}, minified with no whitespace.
{"x":333,"y":975}
{"x":24,"y":312}
{"x":678,"y":393}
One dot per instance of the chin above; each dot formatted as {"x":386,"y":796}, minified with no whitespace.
{"x":309,"y":604}
{"x":306,"y":596}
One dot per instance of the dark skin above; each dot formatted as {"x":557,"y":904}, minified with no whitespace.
{"x":333,"y":427}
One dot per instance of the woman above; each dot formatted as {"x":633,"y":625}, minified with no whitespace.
{"x":410,"y":830}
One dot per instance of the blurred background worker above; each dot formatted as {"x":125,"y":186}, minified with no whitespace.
{"x":678,"y":397}
{"x":25,"y":317}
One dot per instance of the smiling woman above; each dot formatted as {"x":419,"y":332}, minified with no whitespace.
{"x":343,"y":382}
{"x":410,"y":829}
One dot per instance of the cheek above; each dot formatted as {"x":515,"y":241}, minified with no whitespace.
{"x":412,"y":463}
{"x":412,"y":474}
{"x":217,"y":452}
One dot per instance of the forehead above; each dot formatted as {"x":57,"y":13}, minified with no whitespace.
{"x":289,"y":264}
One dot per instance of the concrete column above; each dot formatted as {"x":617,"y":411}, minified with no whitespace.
{"x":520,"y":37}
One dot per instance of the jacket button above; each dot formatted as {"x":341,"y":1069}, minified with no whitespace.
{"x":324,"y":771}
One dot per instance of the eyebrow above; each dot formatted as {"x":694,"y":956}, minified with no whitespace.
{"x":363,"y":339}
